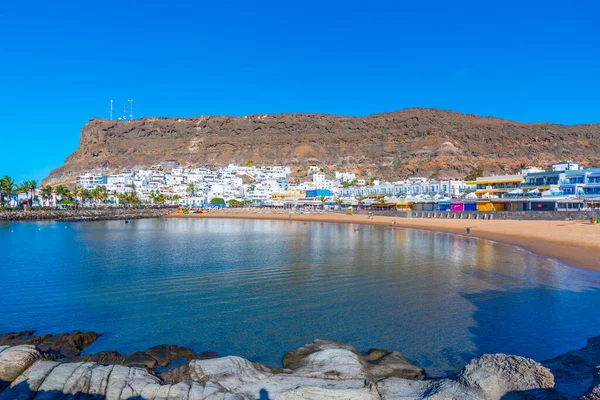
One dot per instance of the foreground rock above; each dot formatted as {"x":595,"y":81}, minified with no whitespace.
{"x":574,"y":371}
{"x":60,"y":345}
{"x":319,"y":370}
{"x":496,"y":375}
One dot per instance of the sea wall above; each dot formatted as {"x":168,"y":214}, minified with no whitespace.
{"x":80,"y":215}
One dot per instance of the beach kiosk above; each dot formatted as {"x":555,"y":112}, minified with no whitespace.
{"x":404,"y":206}
{"x":444,"y":205}
{"x":457,"y":206}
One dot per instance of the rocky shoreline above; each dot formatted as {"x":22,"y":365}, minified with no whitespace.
{"x":52,"y":367}
{"x":81,"y":215}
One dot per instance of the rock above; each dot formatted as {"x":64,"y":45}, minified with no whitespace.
{"x":444,"y":389}
{"x":28,"y":383}
{"x":334,"y":364}
{"x":176,"y":374}
{"x":140,"y":359}
{"x":14,"y":361}
{"x":229,"y":372}
{"x":293,"y":359}
{"x":165,"y":354}
{"x":497,"y":375}
{"x":68,"y":344}
{"x":396,"y":365}
{"x":103,"y":357}
{"x":289,"y":386}
{"x":593,"y":392}
{"x":375,"y":354}
{"x":574,"y":371}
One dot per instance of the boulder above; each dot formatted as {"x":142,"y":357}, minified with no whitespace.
{"x":333,"y":363}
{"x":28,"y":383}
{"x":102,"y":357}
{"x":396,"y":365}
{"x":68,"y":344}
{"x":229,"y":372}
{"x":164,"y":354}
{"x":593,"y":392}
{"x":292,"y":359}
{"x":574,"y":371}
{"x":443,"y":389}
{"x":14,"y":361}
{"x":289,"y":386}
{"x":497,"y":375}
{"x":140,"y":359}
{"x":375,"y":354}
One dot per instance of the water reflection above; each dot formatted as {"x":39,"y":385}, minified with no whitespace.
{"x":260,"y":288}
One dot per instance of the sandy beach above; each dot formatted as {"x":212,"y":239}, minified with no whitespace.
{"x":576,"y":243}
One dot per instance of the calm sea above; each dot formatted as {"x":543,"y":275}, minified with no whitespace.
{"x":259,"y":288}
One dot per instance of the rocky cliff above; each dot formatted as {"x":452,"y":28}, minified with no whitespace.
{"x":412,"y":142}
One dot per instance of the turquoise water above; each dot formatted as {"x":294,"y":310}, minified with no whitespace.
{"x":259,"y":288}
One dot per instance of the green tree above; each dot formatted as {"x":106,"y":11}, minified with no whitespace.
{"x":8,"y":188}
{"x":191,"y":189}
{"x":475,"y":173}
{"x":78,"y":198}
{"x":217,"y":201}
{"x":234,"y":203}
{"x":47,"y":192}
{"x":85,"y":196}
{"x":249,"y":163}
{"x":61,"y":192}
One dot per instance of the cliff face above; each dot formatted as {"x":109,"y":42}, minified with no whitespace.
{"x":412,"y":142}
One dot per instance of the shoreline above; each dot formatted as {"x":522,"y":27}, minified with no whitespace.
{"x":574,"y":243}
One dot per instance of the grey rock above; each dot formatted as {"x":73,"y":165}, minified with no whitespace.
{"x":27,"y":384}
{"x":293,"y":359}
{"x":14,"y":361}
{"x":593,"y":392}
{"x":408,"y":389}
{"x":574,"y":371}
{"x":229,"y":372}
{"x":497,"y":375}
{"x":396,"y":365}
{"x":375,"y":354}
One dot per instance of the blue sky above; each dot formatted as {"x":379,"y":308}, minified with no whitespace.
{"x":62,"y":61}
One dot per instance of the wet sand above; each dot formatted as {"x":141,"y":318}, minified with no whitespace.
{"x":576,"y":243}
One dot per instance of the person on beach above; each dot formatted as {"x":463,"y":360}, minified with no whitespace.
{"x":468,"y":231}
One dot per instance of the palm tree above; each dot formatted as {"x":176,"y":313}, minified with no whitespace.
{"x":47,"y":193}
{"x":85,"y":196}
{"x":8,"y":187}
{"x":33,"y":185}
{"x":191,"y":189}
{"x":102,"y":194}
{"x":340,"y":202}
{"x":77,"y":193}
{"x":61,"y":191}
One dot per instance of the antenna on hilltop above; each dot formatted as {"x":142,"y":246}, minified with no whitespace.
{"x":111,"y":104}
{"x":131,"y":109}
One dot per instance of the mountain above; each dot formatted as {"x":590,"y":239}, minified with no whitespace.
{"x":390,"y":146}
